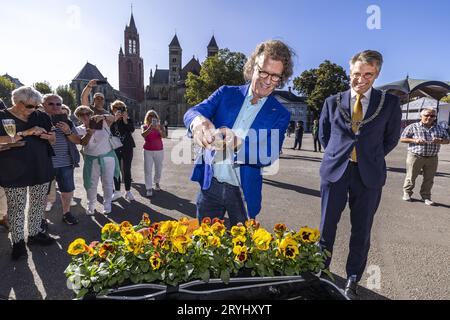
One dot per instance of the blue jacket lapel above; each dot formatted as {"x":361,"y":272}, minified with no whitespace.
{"x":346,"y":105}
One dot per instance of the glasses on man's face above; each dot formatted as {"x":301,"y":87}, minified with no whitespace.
{"x":84,"y":114}
{"x":429,"y":116}
{"x":264,"y":75}
{"x":367,"y":76}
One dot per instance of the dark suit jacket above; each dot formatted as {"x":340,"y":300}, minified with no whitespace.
{"x":375,"y":141}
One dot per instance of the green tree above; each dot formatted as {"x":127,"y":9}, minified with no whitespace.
{"x":68,"y":95}
{"x":225,"y":68}
{"x":6,"y":87}
{"x":43,"y":87}
{"x":318,"y":84}
{"x":446,"y":99}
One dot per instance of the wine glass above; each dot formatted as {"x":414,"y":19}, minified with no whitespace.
{"x":10,"y":128}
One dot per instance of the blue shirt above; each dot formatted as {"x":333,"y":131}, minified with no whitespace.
{"x":224,"y":168}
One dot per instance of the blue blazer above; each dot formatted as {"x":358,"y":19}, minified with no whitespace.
{"x":376,"y":139}
{"x":222,"y":108}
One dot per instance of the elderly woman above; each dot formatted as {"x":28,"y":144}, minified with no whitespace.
{"x":123,"y":128}
{"x":100,"y":160}
{"x":26,"y":170}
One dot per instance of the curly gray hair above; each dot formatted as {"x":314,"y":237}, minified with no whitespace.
{"x":276,"y":50}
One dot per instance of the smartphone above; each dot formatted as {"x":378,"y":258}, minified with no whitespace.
{"x":59,"y":118}
{"x":100,"y":82}
{"x":95,"y":125}
{"x":154,"y":122}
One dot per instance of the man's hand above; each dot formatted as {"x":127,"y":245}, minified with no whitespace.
{"x":64,"y":127}
{"x":437,"y":141}
{"x":420,"y":141}
{"x":203,"y":133}
{"x":98,"y":118}
{"x":92,"y":83}
{"x":224,"y":138}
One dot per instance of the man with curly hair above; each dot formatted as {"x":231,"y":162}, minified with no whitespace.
{"x":252,"y":126}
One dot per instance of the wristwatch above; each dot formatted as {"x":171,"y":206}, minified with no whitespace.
{"x":20,"y":134}
{"x":68,"y":134}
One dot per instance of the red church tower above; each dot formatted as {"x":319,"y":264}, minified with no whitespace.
{"x":131,"y":65}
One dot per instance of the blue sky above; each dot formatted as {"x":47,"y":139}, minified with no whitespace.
{"x":52,"y":40}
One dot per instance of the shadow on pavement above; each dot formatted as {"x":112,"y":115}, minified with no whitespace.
{"x":287,"y":186}
{"x":169,"y":201}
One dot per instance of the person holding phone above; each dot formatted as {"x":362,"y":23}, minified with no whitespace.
{"x":27,"y":170}
{"x":153,"y":151}
{"x":100,"y":114}
{"x":123,"y":128}
{"x":66,"y":157}
{"x":100,"y":161}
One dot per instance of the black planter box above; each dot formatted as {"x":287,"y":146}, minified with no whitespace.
{"x":305,"y":287}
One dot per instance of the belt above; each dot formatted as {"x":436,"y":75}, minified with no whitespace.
{"x":355,"y":164}
{"x":226,"y":184}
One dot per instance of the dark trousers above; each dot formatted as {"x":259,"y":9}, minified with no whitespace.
{"x":317,"y":143}
{"x":221,"y":198}
{"x":298,"y":141}
{"x":125,"y":156}
{"x":363,"y":203}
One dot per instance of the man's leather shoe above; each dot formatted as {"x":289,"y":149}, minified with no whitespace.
{"x":18,"y":250}
{"x":350,"y":290}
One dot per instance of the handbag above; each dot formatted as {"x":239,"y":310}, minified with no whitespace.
{"x":114,"y":141}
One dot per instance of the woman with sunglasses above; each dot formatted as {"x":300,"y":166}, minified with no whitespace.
{"x":27,"y":169}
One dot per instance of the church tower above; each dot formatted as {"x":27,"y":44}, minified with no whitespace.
{"x":131,"y":65}
{"x":213,"y":48}
{"x":175,"y":60}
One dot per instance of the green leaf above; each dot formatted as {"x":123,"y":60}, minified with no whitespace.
{"x":225,"y":276}
{"x":205,"y":275}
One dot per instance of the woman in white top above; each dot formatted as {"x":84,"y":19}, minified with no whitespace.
{"x":100,"y":160}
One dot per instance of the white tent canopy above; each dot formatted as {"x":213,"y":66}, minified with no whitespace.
{"x":414,"y":108}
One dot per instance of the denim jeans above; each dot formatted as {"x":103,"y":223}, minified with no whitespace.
{"x":221,"y":198}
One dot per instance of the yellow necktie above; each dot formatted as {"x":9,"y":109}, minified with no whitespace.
{"x":357,"y":116}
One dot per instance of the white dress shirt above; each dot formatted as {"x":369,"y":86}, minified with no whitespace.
{"x":365,"y":100}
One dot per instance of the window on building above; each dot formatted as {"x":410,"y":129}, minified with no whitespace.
{"x":174,"y":52}
{"x":174,"y":69}
{"x":174,"y":60}
{"x":129,"y":66}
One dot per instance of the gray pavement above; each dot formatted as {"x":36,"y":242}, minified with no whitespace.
{"x":409,"y":258}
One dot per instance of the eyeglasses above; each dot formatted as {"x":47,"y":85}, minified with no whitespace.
{"x":273,"y":76}
{"x":429,"y":116}
{"x":30,"y":106}
{"x":54,"y":104}
{"x":84,"y":114}
{"x":366,"y":76}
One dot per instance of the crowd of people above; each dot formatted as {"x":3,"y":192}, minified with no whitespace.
{"x":43,"y":150}
{"x":358,"y":128}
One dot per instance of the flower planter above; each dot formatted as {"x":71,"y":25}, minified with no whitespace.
{"x":305,"y":287}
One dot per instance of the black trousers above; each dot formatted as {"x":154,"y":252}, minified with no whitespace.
{"x":125,"y":156}
{"x":317,"y":143}
{"x":298,"y":141}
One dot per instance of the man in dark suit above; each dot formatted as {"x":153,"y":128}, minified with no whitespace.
{"x":358,"y":128}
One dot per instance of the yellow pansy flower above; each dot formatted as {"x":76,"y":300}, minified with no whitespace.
{"x":155,"y":261}
{"x":262,"y":239}
{"x":218,"y":229}
{"x":180,"y":243}
{"x":288,"y":247}
{"x":241,"y":253}
{"x":308,"y":235}
{"x":239,"y":241}
{"x":213,"y":241}
{"x":203,"y":231}
{"x":77,"y":247}
{"x":238,"y":231}
{"x":110,"y":228}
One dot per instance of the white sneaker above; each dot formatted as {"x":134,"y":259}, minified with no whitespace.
{"x":116,"y":196}
{"x":90,"y":212}
{"x":106,"y":208}
{"x":73,"y":203}
{"x":406,"y":197}
{"x":149,"y":193}
{"x":129,"y":196}
{"x":157,"y":187}
{"x":48,"y":207}
{"x":428,"y":202}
